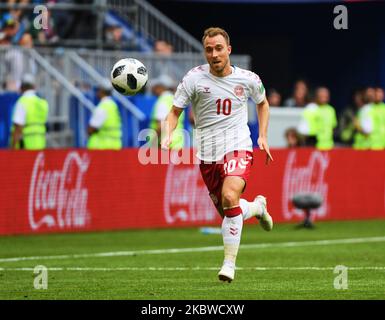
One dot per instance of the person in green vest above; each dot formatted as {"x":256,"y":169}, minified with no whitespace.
{"x":29,"y":118}
{"x":307,"y":127}
{"x":326,"y":120}
{"x":163,"y":87}
{"x":382,"y":103}
{"x":105,"y":125}
{"x":347,"y":128}
{"x":363,"y":121}
{"x":377,"y":136}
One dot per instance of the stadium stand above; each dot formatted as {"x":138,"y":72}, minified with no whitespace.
{"x":68,"y":67}
{"x":68,"y":63}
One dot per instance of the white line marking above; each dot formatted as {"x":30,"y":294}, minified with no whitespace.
{"x":191,"y":268}
{"x":198,"y":249}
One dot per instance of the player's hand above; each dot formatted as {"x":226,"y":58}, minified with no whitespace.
{"x":262,"y":143}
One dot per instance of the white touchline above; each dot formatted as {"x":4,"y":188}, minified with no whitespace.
{"x":378,"y":268}
{"x":198,"y":249}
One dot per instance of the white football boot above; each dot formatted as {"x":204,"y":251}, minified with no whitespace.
{"x":265,"y":220}
{"x":226,"y":273}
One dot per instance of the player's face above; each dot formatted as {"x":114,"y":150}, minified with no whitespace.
{"x":217,"y":54}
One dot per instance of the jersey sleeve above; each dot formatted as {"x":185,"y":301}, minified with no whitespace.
{"x":366,"y":122}
{"x":161,"y":111}
{"x":98,"y":117}
{"x":19,"y":116}
{"x":257,"y":92}
{"x":184,"y":92}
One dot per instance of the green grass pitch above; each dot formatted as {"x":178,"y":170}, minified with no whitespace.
{"x":138,"y":264}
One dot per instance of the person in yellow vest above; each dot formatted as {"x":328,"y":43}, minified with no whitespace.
{"x":105,"y":125}
{"x":164,"y":87}
{"x":347,"y":120}
{"x":326,"y":120}
{"x":363,"y":121}
{"x":319,"y":121}
{"x":377,"y":136}
{"x":380,"y":92}
{"x":29,"y":118}
{"x":307,"y":127}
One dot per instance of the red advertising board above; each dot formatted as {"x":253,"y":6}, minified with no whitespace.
{"x":80,"y":190}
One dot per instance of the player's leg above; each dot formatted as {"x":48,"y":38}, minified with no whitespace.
{"x":231,"y":225}
{"x":258,"y":209}
{"x":251,"y":209}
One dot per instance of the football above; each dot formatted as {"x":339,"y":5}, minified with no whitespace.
{"x":128,"y":76}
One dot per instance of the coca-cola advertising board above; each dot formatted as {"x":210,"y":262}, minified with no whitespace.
{"x":81,"y":190}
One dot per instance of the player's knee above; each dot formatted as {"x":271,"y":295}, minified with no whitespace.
{"x":230,"y":198}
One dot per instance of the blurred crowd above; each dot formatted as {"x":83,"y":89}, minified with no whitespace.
{"x":18,"y":30}
{"x":361,"y":124}
{"x":15,"y":24}
{"x":18,"y":23}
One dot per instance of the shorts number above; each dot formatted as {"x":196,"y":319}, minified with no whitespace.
{"x":226,"y":106}
{"x":230,"y":166}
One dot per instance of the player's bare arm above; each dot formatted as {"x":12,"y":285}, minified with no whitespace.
{"x":169,"y":126}
{"x":263,"y":120}
{"x":16,"y":135}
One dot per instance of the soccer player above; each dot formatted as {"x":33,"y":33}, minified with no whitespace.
{"x":219,"y":93}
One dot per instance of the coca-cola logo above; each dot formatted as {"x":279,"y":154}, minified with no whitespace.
{"x":186,"y":197}
{"x":58,"y":198}
{"x":308,"y":178}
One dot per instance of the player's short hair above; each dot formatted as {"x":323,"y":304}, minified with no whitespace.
{"x":214,"y":31}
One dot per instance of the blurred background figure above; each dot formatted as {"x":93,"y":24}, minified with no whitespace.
{"x":293,"y":138}
{"x":165,"y":63}
{"x":105,"y":125}
{"x":363,"y":121}
{"x":300,"y":96}
{"x":29,"y":118}
{"x":9,"y":30}
{"x":274,"y":98}
{"x":319,"y":121}
{"x":369,"y":95}
{"x":307,"y":126}
{"x":377,"y":137}
{"x":163,"y":47}
{"x":114,"y":38}
{"x":66,"y":19}
{"x":327,"y":119}
{"x":17,"y":63}
{"x":18,"y":13}
{"x":346,"y":128}
{"x":163,"y":88}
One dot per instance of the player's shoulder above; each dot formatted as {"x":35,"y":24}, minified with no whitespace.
{"x":246,"y":74}
{"x":248,"y":77}
{"x":197,"y":71}
{"x":194,"y":75}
